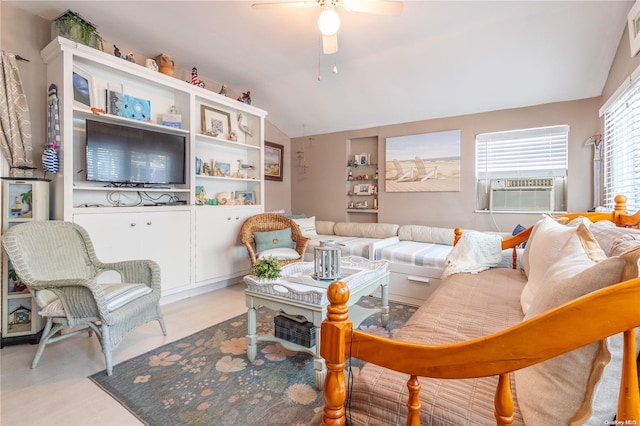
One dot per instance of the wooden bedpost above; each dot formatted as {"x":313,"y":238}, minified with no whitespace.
{"x":334,"y":332}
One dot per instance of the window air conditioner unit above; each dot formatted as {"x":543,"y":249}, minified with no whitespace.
{"x":522,"y":194}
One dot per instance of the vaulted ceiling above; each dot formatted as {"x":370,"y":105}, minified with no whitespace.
{"x":437,"y":59}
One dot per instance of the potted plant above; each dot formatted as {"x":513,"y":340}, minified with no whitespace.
{"x":72,"y":26}
{"x":268,"y":268}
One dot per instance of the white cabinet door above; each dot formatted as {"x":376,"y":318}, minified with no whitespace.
{"x":160,"y":236}
{"x":219,"y":252}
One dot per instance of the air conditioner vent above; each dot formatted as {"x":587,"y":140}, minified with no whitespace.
{"x":522,"y":194}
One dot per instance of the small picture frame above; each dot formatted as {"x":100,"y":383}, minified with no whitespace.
{"x":364,"y":159}
{"x":363,"y":189}
{"x":245,"y":197}
{"x":215,"y":123}
{"x":222,"y":169}
{"x":82,"y":88}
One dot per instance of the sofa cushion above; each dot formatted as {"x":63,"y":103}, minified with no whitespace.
{"x":307,"y":226}
{"x":273,"y":239}
{"x":324,"y":227}
{"x":545,"y":242}
{"x":555,"y":391}
{"x":366,"y":230}
{"x":426,"y":234}
{"x":415,"y":253}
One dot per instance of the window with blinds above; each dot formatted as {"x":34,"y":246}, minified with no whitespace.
{"x":621,"y":149}
{"x":522,"y":170}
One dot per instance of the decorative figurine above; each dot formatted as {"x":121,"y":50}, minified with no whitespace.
{"x":151,"y":64}
{"x":233,"y":136}
{"x":130,"y":58}
{"x":245,"y":98}
{"x":116,"y":52}
{"x":165,"y":64}
{"x":195,"y":80}
{"x":206,"y":169}
{"x":243,"y":126}
{"x":223,"y":90}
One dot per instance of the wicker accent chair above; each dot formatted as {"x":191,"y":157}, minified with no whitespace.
{"x":264,"y":222}
{"x":57,"y":262}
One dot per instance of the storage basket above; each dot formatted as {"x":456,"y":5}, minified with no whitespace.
{"x":295,"y":329}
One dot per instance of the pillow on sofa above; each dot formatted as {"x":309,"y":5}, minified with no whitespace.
{"x":325,"y":227}
{"x":560,"y":390}
{"x":546,"y":241}
{"x":307,"y":226}
{"x":273,"y":239}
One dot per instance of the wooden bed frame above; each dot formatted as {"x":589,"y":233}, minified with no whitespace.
{"x":528,"y":342}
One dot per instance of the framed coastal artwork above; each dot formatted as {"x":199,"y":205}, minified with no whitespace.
{"x":215,"y":123}
{"x":273,"y":160}
{"x":424,"y":162}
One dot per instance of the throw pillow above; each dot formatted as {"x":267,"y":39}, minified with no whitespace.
{"x":307,"y":226}
{"x":273,"y":239}
{"x":518,"y":229}
{"x":545,"y":243}
{"x":560,"y":390}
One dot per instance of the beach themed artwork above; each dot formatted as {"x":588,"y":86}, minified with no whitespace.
{"x":424,"y":162}
{"x":128,"y":106}
{"x":20,"y":200}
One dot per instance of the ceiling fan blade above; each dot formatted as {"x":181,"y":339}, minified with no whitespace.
{"x":329,"y":44}
{"x":378,"y":7}
{"x":278,"y":4}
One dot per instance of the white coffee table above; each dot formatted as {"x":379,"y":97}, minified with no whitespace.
{"x":297,"y":293}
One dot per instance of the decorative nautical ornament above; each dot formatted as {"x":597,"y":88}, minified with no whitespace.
{"x":50,"y":161}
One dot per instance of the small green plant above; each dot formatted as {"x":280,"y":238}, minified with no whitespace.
{"x":267,"y":268}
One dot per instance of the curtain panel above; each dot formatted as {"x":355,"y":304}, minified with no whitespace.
{"x":15,"y":122}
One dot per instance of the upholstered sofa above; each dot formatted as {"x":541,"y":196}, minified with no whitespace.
{"x":473,"y":353}
{"x":416,"y":253}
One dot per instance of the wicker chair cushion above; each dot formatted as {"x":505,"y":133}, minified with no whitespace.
{"x":280,"y":253}
{"x":273,"y":239}
{"x":116,"y":295}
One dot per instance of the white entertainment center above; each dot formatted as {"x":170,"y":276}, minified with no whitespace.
{"x":195,"y":242}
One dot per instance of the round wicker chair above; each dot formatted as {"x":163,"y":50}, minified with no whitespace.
{"x":264,"y":222}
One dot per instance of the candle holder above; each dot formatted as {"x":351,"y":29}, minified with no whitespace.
{"x":327,"y":261}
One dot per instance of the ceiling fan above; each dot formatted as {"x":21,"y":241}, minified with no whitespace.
{"x":329,"y":21}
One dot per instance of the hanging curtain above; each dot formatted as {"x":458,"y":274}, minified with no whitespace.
{"x":15,"y":124}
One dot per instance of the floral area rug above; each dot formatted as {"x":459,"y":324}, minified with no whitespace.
{"x":206,"y":378}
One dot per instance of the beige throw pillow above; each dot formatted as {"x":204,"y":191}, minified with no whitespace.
{"x":560,"y":390}
{"x":545,"y":243}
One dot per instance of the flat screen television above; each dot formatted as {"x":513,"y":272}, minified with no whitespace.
{"x":124,"y":155}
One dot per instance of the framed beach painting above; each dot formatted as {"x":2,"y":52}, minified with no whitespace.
{"x":424,"y":162}
{"x":273,"y":161}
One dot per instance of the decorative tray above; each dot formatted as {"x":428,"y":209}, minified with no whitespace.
{"x":297,"y":280}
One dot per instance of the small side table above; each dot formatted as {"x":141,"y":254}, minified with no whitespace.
{"x":298,"y":294}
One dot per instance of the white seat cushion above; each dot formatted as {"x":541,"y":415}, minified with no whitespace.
{"x":117,"y":295}
{"x":280,"y":253}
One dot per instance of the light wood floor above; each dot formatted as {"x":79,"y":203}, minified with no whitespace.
{"x":58,"y":392}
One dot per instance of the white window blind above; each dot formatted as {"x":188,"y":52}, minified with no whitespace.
{"x":622,"y":149}
{"x":522,"y":153}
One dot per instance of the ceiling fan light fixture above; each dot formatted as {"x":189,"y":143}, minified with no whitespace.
{"x":329,"y":22}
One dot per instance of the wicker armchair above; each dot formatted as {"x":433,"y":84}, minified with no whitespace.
{"x":57,"y":262}
{"x":272,"y":222}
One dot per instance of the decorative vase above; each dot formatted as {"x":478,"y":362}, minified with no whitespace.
{"x":165,"y":64}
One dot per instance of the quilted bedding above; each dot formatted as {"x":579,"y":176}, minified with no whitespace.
{"x":462,"y":312}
